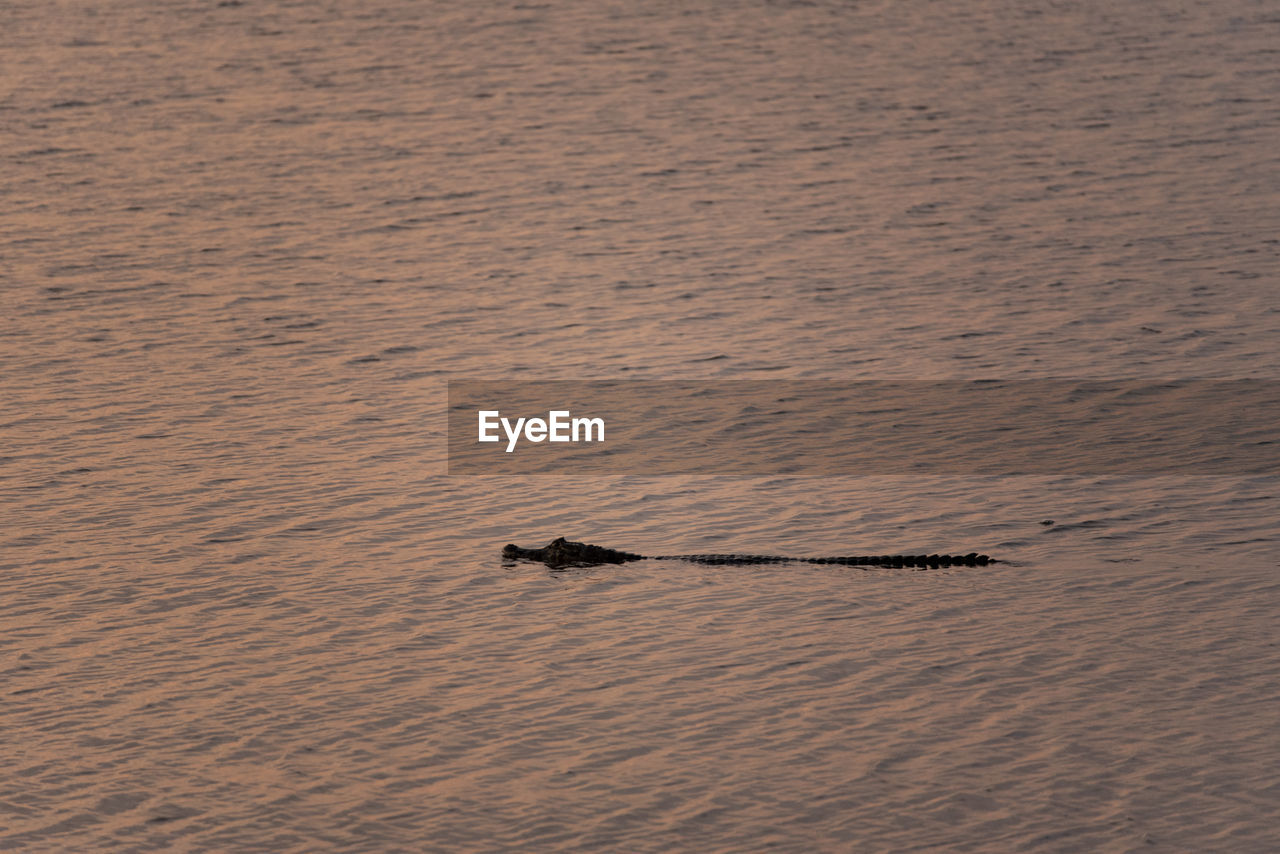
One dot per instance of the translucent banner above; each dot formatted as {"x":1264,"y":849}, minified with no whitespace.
{"x":750,"y":427}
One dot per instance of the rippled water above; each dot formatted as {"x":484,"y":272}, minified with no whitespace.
{"x":244,"y":246}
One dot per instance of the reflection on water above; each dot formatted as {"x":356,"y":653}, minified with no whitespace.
{"x":244,"y":246}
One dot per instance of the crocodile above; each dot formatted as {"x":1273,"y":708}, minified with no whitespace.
{"x":561,"y":553}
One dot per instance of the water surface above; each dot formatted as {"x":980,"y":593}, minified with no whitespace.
{"x":244,"y":247}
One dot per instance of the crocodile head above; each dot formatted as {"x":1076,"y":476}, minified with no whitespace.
{"x":562,"y":552}
{"x":514,"y":552}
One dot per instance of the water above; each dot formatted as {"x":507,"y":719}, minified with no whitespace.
{"x":243,"y":248}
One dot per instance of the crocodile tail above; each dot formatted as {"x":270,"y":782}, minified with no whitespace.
{"x":930,"y":561}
